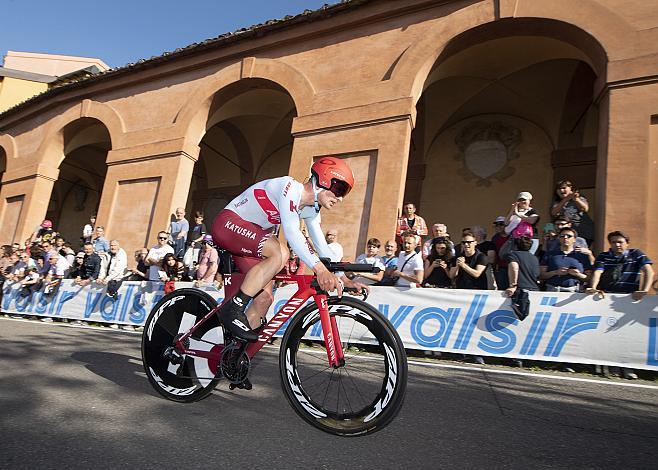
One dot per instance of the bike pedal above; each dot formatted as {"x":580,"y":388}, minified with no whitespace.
{"x":245,"y":385}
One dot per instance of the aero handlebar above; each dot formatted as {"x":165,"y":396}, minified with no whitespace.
{"x":349,"y":267}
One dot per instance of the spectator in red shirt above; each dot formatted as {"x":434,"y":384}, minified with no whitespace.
{"x":410,"y":222}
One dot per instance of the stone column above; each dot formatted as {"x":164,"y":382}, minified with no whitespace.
{"x":141,"y":193}
{"x":24,"y":198}
{"x":626,"y":172}
{"x":377,"y":153}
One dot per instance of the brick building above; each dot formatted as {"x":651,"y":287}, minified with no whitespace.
{"x":453,"y":105}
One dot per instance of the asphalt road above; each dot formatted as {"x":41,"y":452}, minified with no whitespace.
{"x":78,"y":398}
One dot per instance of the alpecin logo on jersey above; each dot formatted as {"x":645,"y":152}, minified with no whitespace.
{"x":268,"y":207}
{"x":240,"y":230}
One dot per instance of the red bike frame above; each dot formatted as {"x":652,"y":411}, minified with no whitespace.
{"x":305,"y":291}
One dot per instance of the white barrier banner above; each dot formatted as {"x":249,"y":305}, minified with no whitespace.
{"x":561,"y":327}
{"x":90,"y":303}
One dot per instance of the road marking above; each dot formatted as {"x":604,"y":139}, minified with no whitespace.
{"x":532,"y":374}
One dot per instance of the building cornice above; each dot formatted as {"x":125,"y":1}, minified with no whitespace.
{"x":253,"y":40}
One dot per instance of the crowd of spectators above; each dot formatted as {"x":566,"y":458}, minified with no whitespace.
{"x":517,"y":258}
{"x":46,"y":258}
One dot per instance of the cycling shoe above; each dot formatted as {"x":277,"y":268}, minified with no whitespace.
{"x":235,"y":321}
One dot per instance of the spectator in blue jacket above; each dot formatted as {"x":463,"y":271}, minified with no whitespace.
{"x":565,"y":269}
{"x":91,"y":266}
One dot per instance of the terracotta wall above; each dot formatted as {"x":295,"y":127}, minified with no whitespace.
{"x":355,"y":79}
{"x":454,"y":191}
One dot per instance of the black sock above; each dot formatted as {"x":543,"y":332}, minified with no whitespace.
{"x":241,"y":299}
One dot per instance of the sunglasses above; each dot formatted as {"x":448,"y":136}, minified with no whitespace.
{"x":468,"y":242}
{"x":162,"y":238}
{"x":566,"y":235}
{"x":339,"y":188}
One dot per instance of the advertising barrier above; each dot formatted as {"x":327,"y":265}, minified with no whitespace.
{"x":561,"y":327}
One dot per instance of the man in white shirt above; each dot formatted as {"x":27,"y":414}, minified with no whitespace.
{"x":410,"y":264}
{"x":371,"y":256}
{"x":335,"y":247}
{"x":58,"y":267}
{"x":113,"y":267}
{"x":154,"y":258}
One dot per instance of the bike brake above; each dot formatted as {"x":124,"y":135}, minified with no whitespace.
{"x":362,"y":292}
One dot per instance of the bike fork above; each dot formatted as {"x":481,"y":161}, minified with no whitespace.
{"x":330,"y":332}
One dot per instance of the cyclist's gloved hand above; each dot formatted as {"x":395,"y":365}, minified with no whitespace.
{"x":359,"y":287}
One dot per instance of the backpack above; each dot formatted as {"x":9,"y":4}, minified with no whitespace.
{"x":610,"y":276}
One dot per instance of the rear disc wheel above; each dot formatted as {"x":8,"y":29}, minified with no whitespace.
{"x":176,"y":376}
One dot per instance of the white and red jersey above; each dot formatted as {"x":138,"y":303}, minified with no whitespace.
{"x":276,"y":202}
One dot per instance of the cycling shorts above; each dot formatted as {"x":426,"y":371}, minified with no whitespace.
{"x":238,"y":236}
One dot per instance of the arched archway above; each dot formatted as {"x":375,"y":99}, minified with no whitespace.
{"x":508,"y":107}
{"x":82,"y":169}
{"x":248,"y":138}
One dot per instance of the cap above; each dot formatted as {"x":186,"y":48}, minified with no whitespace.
{"x":47,"y":224}
{"x":500,"y":219}
{"x":207,"y":239}
{"x":524,"y":195}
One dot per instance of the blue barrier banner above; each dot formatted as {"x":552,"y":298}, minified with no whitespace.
{"x":90,"y":303}
{"x":561,"y":327}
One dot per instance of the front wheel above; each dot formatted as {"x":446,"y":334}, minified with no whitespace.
{"x":179,"y":377}
{"x":364,"y":394}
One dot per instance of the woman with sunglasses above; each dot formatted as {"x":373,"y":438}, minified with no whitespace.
{"x":246,"y":228}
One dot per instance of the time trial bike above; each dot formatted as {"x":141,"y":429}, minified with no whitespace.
{"x":343,"y":367}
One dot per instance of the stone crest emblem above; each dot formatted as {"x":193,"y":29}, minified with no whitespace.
{"x":486,"y":150}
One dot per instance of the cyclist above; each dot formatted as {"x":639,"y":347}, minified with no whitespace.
{"x":245,"y":227}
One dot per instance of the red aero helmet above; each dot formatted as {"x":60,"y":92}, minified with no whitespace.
{"x":333,"y":174}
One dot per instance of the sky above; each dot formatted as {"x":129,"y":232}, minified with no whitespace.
{"x":123,"y":31}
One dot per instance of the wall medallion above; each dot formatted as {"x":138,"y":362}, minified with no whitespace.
{"x":486,"y":150}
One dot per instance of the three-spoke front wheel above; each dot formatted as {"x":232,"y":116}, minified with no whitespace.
{"x":178,"y":377}
{"x":364,"y":394}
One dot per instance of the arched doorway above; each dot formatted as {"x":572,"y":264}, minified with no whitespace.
{"x":77,"y":191}
{"x":248,"y":138}
{"x":507,"y":107}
